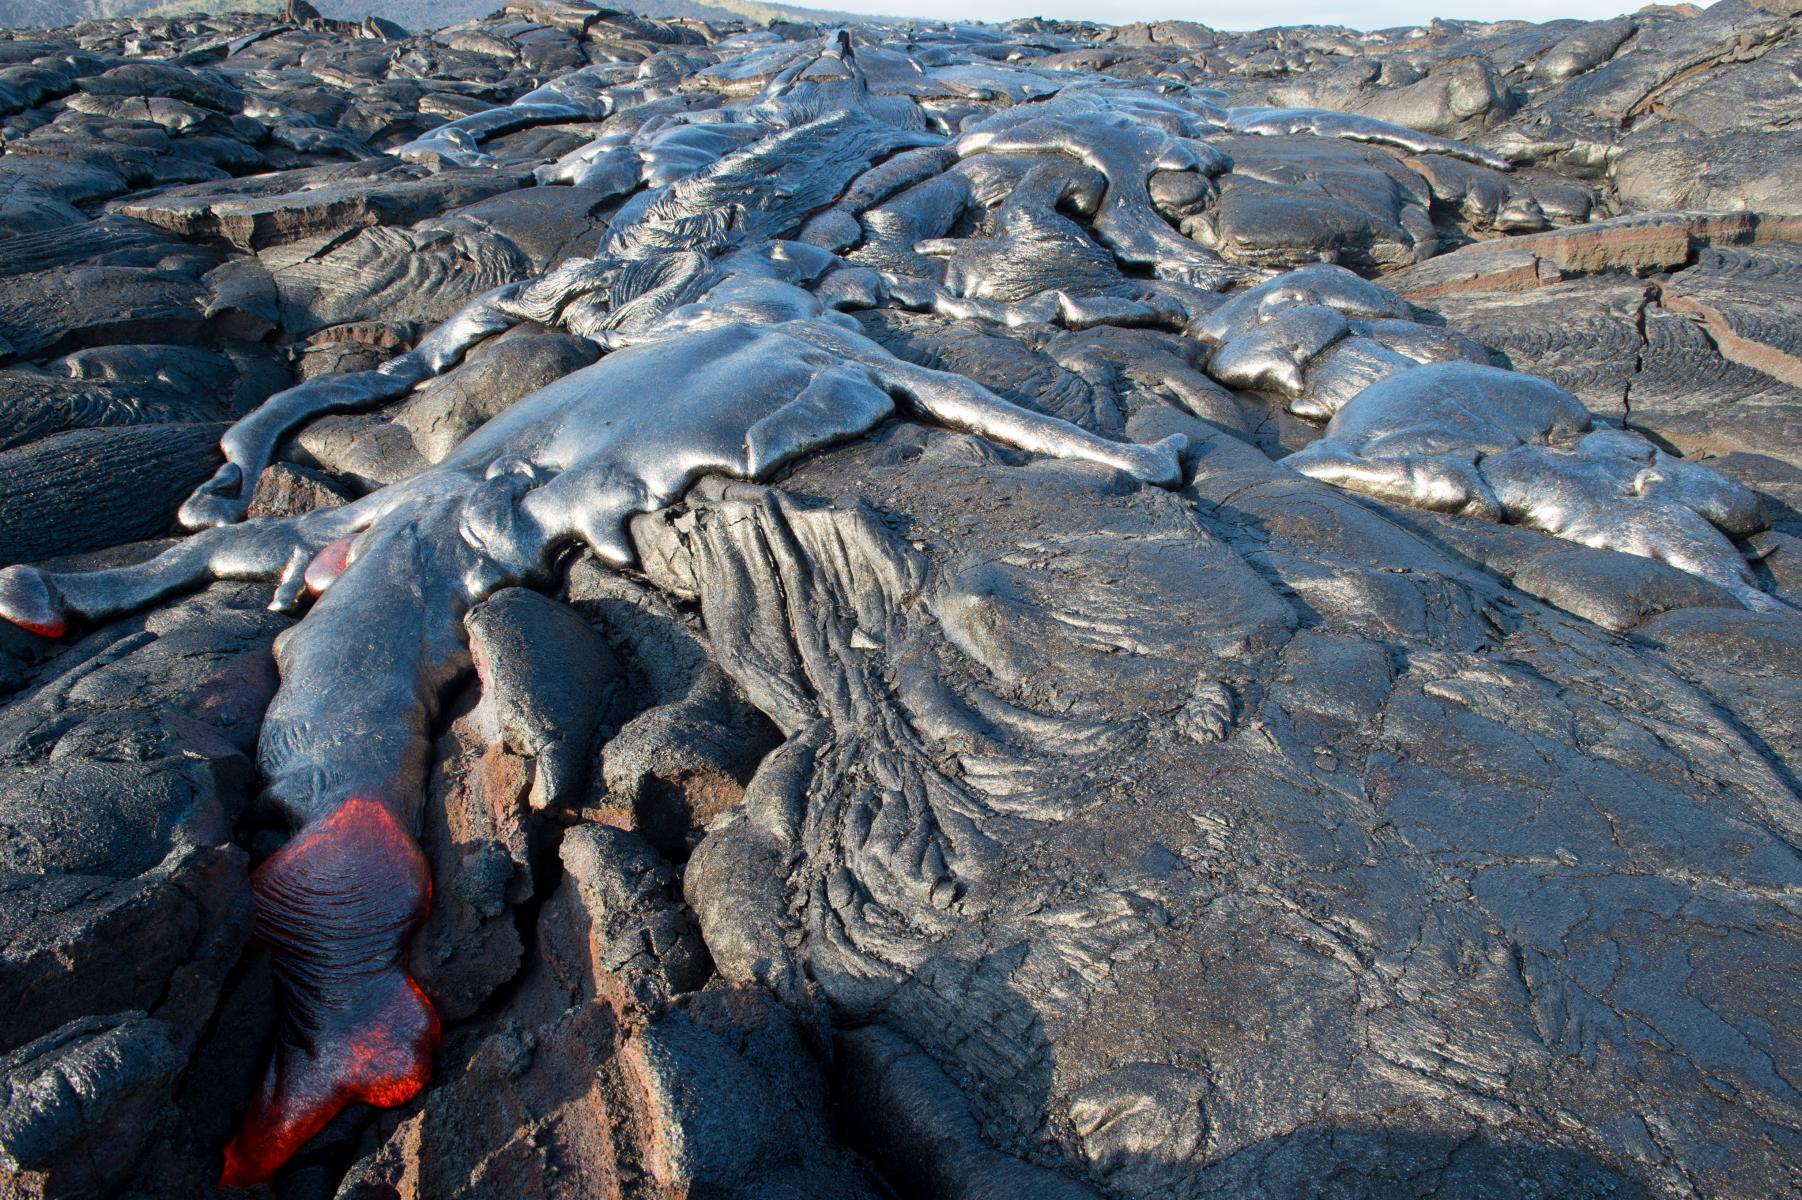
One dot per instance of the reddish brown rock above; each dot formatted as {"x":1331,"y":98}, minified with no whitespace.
{"x":1507,"y":267}
{"x":254,"y":222}
{"x":1750,"y":303}
{"x":476,"y":836}
{"x":285,"y":490}
{"x":1657,"y":242}
{"x":608,"y":1075}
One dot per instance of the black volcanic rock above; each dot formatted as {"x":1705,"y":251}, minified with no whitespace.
{"x":91,"y":488}
{"x":82,"y":1103}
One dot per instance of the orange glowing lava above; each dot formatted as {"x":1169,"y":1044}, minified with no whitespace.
{"x":365,"y":1032}
{"x":327,"y":565}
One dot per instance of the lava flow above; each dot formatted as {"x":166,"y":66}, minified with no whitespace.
{"x":335,"y":907}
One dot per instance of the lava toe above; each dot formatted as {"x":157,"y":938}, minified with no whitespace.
{"x":336,"y":906}
{"x":31,"y":602}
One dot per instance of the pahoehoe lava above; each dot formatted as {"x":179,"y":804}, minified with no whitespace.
{"x":623,"y":606}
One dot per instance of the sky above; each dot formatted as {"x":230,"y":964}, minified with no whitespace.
{"x":1359,"y":14}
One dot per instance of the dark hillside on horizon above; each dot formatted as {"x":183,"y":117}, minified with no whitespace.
{"x":414,"y":15}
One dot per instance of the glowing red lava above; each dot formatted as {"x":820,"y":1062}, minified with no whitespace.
{"x":327,"y":565}
{"x":336,"y":905}
{"x":50,"y":628}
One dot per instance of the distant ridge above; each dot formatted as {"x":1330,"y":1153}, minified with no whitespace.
{"x":415,"y":15}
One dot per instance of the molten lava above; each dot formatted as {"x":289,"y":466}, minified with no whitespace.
{"x":335,"y":906}
{"x":327,"y":565}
